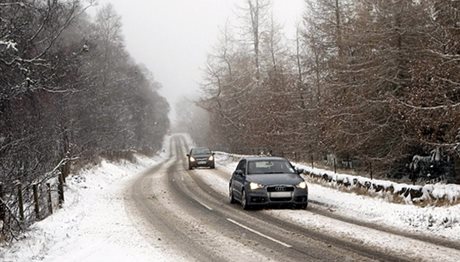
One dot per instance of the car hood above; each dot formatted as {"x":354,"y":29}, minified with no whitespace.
{"x":275,"y":179}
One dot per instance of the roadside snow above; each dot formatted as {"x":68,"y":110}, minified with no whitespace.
{"x":93,"y":224}
{"x":429,"y":194}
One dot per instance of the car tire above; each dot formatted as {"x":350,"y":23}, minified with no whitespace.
{"x":212,"y":167}
{"x":244,"y":201}
{"x":190,"y":167}
{"x":230,"y":195}
{"x":303,"y":206}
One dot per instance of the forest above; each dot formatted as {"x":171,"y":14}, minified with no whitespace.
{"x":368,"y":84}
{"x":69,"y":93}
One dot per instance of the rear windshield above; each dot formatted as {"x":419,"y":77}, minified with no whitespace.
{"x":201,"y":151}
{"x":269,"y":167}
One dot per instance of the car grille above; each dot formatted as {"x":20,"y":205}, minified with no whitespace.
{"x":280,"y":188}
{"x":283,"y":199}
{"x":280,"y":192}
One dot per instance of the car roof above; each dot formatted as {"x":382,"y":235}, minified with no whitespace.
{"x":193,"y":148}
{"x":264,"y":158}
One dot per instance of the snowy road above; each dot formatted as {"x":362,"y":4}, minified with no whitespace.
{"x":202,"y":226}
{"x":192,"y":213}
{"x":158,"y":210}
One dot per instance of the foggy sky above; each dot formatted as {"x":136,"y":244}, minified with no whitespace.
{"x":173,"y":37}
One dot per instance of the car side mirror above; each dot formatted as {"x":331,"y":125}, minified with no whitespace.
{"x":239,"y":173}
{"x":188,"y":155}
{"x":300,"y":171}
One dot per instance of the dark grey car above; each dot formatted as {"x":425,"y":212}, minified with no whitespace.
{"x":200,"y":156}
{"x":264,"y":181}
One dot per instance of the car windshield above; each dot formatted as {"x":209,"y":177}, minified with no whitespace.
{"x":201,"y":151}
{"x":269,"y":167}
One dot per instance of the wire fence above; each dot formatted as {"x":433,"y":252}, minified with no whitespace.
{"x":22,"y":204}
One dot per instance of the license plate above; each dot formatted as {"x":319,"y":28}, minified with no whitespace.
{"x":280,"y":194}
{"x":201,"y":162}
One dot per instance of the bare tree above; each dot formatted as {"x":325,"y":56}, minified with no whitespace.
{"x":373,"y":81}
{"x":55,"y":106}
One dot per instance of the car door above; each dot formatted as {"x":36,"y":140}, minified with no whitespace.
{"x":238,"y":179}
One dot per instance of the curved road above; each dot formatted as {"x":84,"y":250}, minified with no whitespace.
{"x":176,"y":206}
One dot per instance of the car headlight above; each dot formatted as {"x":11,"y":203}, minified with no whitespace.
{"x":192,"y":159}
{"x":254,"y":186}
{"x":302,"y":185}
{"x":211,"y":158}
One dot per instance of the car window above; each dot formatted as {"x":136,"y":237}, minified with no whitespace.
{"x":242,"y":166}
{"x":269,"y":167}
{"x":201,"y":151}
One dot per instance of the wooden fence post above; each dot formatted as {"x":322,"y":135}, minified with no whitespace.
{"x":312,"y":164}
{"x":50,"y":200}
{"x":2,"y":208}
{"x":61,"y":189}
{"x":65,"y":170}
{"x":20,"y":202}
{"x":36,"y":204}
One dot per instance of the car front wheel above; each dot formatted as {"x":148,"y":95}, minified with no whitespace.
{"x":244,"y":201}
{"x":230,"y":195}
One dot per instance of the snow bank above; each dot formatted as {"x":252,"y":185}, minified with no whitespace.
{"x":93,"y":224}
{"x":430,"y":194}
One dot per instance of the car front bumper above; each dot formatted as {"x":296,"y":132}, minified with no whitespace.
{"x":261,"y":197}
{"x":200,"y":163}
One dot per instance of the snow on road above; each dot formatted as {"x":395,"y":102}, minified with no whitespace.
{"x":93,"y":225}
